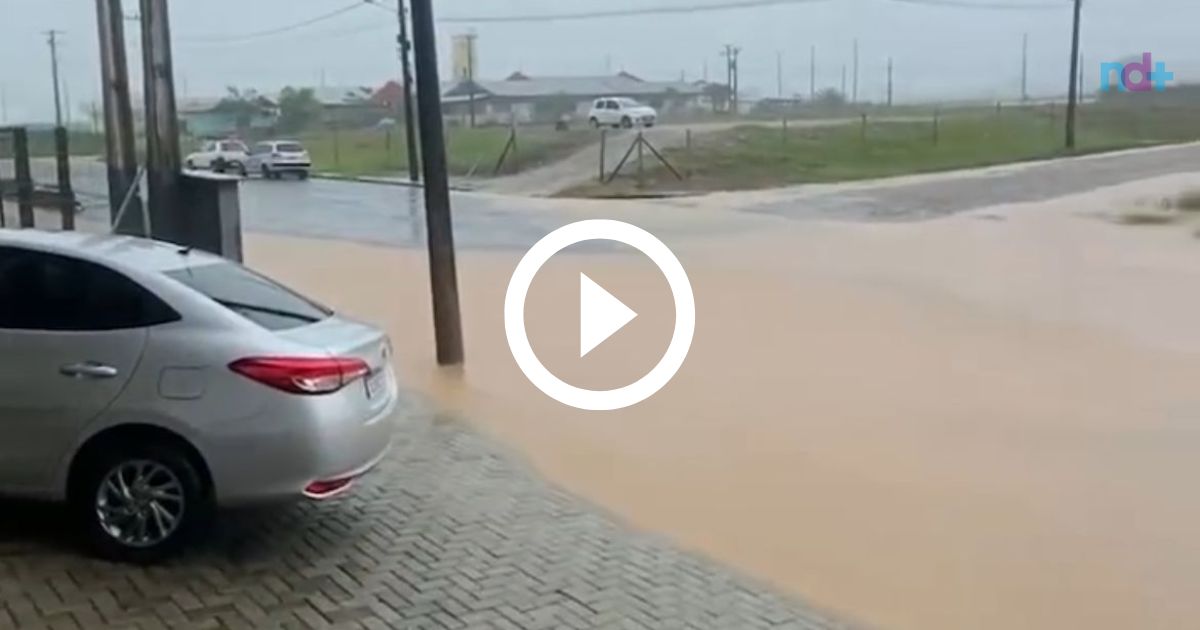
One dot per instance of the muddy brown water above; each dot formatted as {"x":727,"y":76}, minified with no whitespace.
{"x":970,"y":423}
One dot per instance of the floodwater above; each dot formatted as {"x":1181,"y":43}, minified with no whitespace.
{"x":986,"y":421}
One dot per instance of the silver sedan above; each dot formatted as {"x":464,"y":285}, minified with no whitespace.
{"x":148,"y":384}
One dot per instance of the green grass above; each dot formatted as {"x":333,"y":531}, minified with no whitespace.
{"x":757,"y":157}
{"x":468,"y":151}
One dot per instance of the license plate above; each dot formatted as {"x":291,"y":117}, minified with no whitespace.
{"x":376,"y":383}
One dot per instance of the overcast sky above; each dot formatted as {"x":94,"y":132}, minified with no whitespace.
{"x":940,"y":52}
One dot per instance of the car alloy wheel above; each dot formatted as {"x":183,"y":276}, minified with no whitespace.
{"x":140,"y":503}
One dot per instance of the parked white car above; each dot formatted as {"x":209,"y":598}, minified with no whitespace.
{"x":621,"y":112}
{"x":220,"y":156}
{"x":274,"y":158}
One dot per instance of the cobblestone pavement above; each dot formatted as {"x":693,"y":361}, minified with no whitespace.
{"x":454,"y":532}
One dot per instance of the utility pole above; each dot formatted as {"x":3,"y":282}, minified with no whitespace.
{"x":163,"y":161}
{"x":889,"y":83}
{"x":1072,"y":93}
{"x":120,"y":152}
{"x":471,"y":37}
{"x":1025,"y":67}
{"x":410,"y":131}
{"x":854,"y":98}
{"x":52,"y":39}
{"x":844,"y":95}
{"x":443,"y":276}
{"x":812,"y":73}
{"x":731,"y":73}
{"x":779,"y":74}
{"x":1082,"y":75}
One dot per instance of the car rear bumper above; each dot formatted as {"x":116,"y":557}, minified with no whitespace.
{"x":290,"y":166}
{"x":271,"y":466}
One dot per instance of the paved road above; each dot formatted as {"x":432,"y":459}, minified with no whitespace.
{"x":953,"y":194}
{"x":457,"y":534}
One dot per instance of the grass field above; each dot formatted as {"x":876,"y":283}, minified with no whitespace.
{"x":468,"y":151}
{"x":760,"y":157}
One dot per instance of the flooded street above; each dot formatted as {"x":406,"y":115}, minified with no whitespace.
{"x":983,"y":421}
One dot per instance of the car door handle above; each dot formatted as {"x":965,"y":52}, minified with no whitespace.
{"x":88,"y":369}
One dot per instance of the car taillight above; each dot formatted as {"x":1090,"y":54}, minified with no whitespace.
{"x":302,"y":375}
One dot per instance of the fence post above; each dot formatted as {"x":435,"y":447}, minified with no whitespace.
{"x":863,"y":129}
{"x":24,"y":179}
{"x":515,"y":150}
{"x":62,"y":158}
{"x":641,"y":176}
{"x":687,"y":147}
{"x":785,"y":131}
{"x":603,"y":148}
{"x":937,"y":112}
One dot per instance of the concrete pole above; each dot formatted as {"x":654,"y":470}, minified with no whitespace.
{"x":52,"y":39}
{"x":163,"y":161}
{"x":443,"y":274}
{"x":410,"y":129}
{"x":1073,"y":86}
{"x":119,"y":150}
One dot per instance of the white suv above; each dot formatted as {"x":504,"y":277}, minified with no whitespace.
{"x":274,"y":158}
{"x":219,"y":156}
{"x":621,"y":112}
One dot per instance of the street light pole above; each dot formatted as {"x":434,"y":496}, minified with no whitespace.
{"x":443,"y":275}
{"x":1073,"y":90}
{"x":410,"y":131}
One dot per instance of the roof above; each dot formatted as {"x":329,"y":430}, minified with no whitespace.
{"x":342,"y":95}
{"x":524,"y":86}
{"x":112,"y":249}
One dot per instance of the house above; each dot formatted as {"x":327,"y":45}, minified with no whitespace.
{"x":521,"y":98}
{"x":224,"y":118}
{"x":349,"y":106}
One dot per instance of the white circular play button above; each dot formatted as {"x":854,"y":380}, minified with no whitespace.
{"x":601,"y":315}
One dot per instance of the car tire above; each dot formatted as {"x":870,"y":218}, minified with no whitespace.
{"x":303,"y":175}
{"x":191,"y":166}
{"x":595,"y":122}
{"x":140,"y":486}
{"x":627,"y":123}
{"x":218,"y":166}
{"x":266,"y":172}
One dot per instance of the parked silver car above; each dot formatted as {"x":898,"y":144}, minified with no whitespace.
{"x":147,"y":384}
{"x":275,"y":158}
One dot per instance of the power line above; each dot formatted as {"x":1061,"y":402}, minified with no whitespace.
{"x":274,"y":31}
{"x":988,"y":6}
{"x":659,"y":10}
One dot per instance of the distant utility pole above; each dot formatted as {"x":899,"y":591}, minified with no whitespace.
{"x":889,"y":83}
{"x":854,"y":98}
{"x":410,"y":131}
{"x":443,"y":274}
{"x":731,"y":72}
{"x":844,"y":81}
{"x":52,"y":39}
{"x":812,"y":73}
{"x":1073,"y":86}
{"x":779,"y":73}
{"x":1025,"y":67}
{"x":471,"y":37}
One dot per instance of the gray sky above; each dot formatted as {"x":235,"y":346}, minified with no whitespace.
{"x":939,"y":52}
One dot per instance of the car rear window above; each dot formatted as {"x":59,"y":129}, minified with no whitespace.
{"x":289,"y":147}
{"x":253,"y":296}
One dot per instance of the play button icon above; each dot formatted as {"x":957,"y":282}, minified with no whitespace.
{"x":600,"y":315}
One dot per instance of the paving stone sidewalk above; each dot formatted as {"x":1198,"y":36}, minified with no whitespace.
{"x":453,"y":532}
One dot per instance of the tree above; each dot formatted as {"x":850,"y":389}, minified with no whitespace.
{"x":244,"y":105}
{"x":298,"y":109}
{"x":829,"y":98}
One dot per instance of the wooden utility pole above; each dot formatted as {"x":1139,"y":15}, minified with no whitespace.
{"x":1073,"y":86}
{"x":163,"y":161}
{"x":889,"y":83}
{"x":471,"y":37}
{"x":52,"y":39}
{"x":410,"y":130}
{"x":812,"y":73}
{"x":119,"y":150}
{"x":443,"y":275}
{"x":1025,"y":67}
{"x":854,"y":98}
